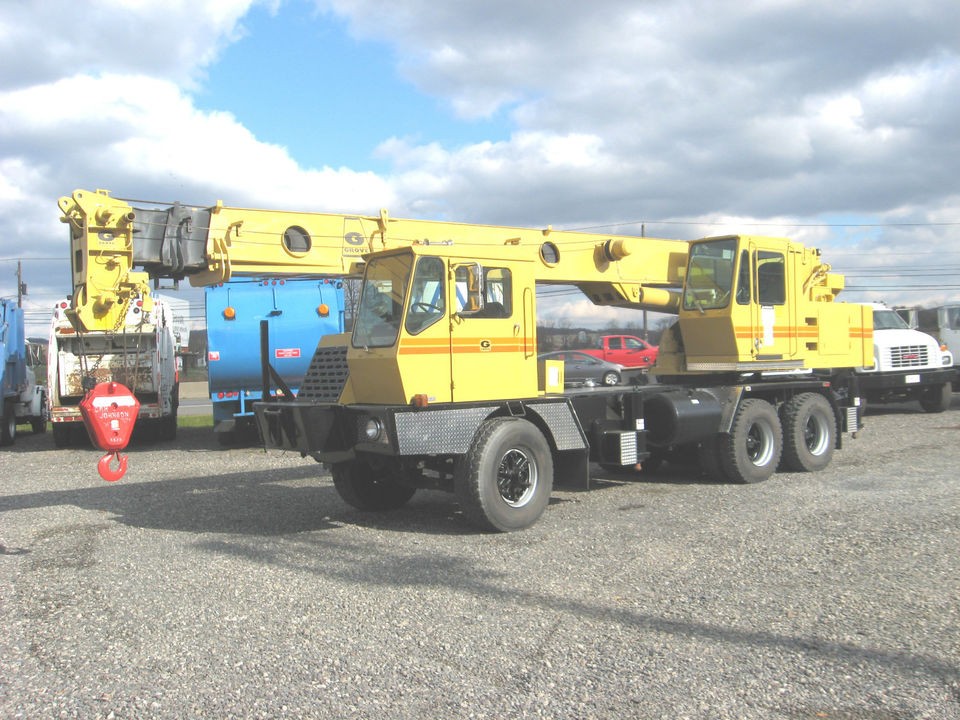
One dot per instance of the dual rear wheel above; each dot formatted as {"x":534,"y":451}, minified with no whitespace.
{"x":800,"y":438}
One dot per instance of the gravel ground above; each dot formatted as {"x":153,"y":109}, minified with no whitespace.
{"x":235,"y":584}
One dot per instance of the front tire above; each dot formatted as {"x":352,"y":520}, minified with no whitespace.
{"x":504,"y":481}
{"x":937,"y":398}
{"x":367,"y":488}
{"x":751,"y":452}
{"x":809,"y":433}
{"x":611,"y":377}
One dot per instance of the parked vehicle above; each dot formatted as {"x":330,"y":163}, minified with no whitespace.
{"x":298,"y":312}
{"x":139,"y":353}
{"x":628,"y":351}
{"x":943,"y":323}
{"x":21,"y":399}
{"x":907,"y":365}
{"x":581,"y":368}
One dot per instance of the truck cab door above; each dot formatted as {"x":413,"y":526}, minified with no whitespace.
{"x":773,"y":325}
{"x":424,"y":354}
{"x":492,"y":342}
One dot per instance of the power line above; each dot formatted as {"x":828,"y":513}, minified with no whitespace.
{"x":723,"y":223}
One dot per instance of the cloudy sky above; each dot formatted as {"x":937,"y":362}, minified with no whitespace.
{"x":836,"y":123}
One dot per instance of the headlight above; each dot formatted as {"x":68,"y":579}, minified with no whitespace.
{"x":373,"y":429}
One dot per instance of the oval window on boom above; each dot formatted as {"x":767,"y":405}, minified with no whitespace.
{"x":296,"y":240}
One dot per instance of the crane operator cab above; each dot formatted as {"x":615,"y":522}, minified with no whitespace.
{"x":760,"y":303}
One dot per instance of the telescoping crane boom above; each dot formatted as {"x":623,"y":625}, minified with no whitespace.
{"x":109,"y":239}
{"x":439,"y":384}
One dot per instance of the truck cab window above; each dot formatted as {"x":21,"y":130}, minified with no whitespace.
{"x":496,"y":293}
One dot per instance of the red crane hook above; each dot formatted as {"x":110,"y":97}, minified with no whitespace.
{"x":110,"y":474}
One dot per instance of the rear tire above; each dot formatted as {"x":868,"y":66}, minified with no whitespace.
{"x":936,"y":398}
{"x":166,"y":430}
{"x":370,"y":489}
{"x":39,"y":424}
{"x":610,"y":378}
{"x":8,"y":430}
{"x":751,"y":452}
{"x":505,"y":479}
{"x":809,"y":433}
{"x":61,"y":434}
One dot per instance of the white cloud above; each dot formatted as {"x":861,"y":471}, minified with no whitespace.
{"x":776,"y":111}
{"x":42,"y":40}
{"x":144,"y":139}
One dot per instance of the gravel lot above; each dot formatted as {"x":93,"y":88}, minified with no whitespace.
{"x":232,"y":583}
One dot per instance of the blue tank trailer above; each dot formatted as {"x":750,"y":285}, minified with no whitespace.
{"x":297,"y":313}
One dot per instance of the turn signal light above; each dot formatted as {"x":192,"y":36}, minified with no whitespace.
{"x":323,"y":310}
{"x":229,"y":313}
{"x":420,"y":400}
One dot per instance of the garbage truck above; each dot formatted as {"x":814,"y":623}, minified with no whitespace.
{"x":138,"y":351}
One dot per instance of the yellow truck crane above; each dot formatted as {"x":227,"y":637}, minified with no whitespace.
{"x":439,"y":385}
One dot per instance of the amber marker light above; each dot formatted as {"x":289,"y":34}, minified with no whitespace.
{"x":229,"y":313}
{"x":323,"y":310}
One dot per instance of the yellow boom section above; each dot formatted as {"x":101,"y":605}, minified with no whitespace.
{"x":208,"y":245}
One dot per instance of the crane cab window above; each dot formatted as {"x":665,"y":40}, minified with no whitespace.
{"x":771,"y":278}
{"x":381,"y":302}
{"x":710,"y":275}
{"x":495,"y":293}
{"x":743,"y":279}
{"x":427,"y":302}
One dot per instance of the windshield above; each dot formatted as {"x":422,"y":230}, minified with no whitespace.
{"x":381,"y":301}
{"x":710,"y":275}
{"x":888,"y":320}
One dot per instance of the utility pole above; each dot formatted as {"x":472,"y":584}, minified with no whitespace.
{"x":646,"y":333}
{"x":21,"y":288}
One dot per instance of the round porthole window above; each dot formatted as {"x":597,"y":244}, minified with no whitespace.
{"x":296,"y":240}
{"x":550,"y":253}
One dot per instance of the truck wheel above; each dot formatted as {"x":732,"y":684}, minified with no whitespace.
{"x":611,"y":377}
{"x":39,"y":424}
{"x":226,"y":438}
{"x":708,"y":454}
{"x":936,"y":398}
{"x":809,"y":433}
{"x":364,"y":487}
{"x":8,"y":431}
{"x":505,"y":479}
{"x":167,"y":428}
{"x":61,"y":434}
{"x":751,"y":452}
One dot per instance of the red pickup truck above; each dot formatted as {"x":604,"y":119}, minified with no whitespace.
{"x":626,"y":350}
